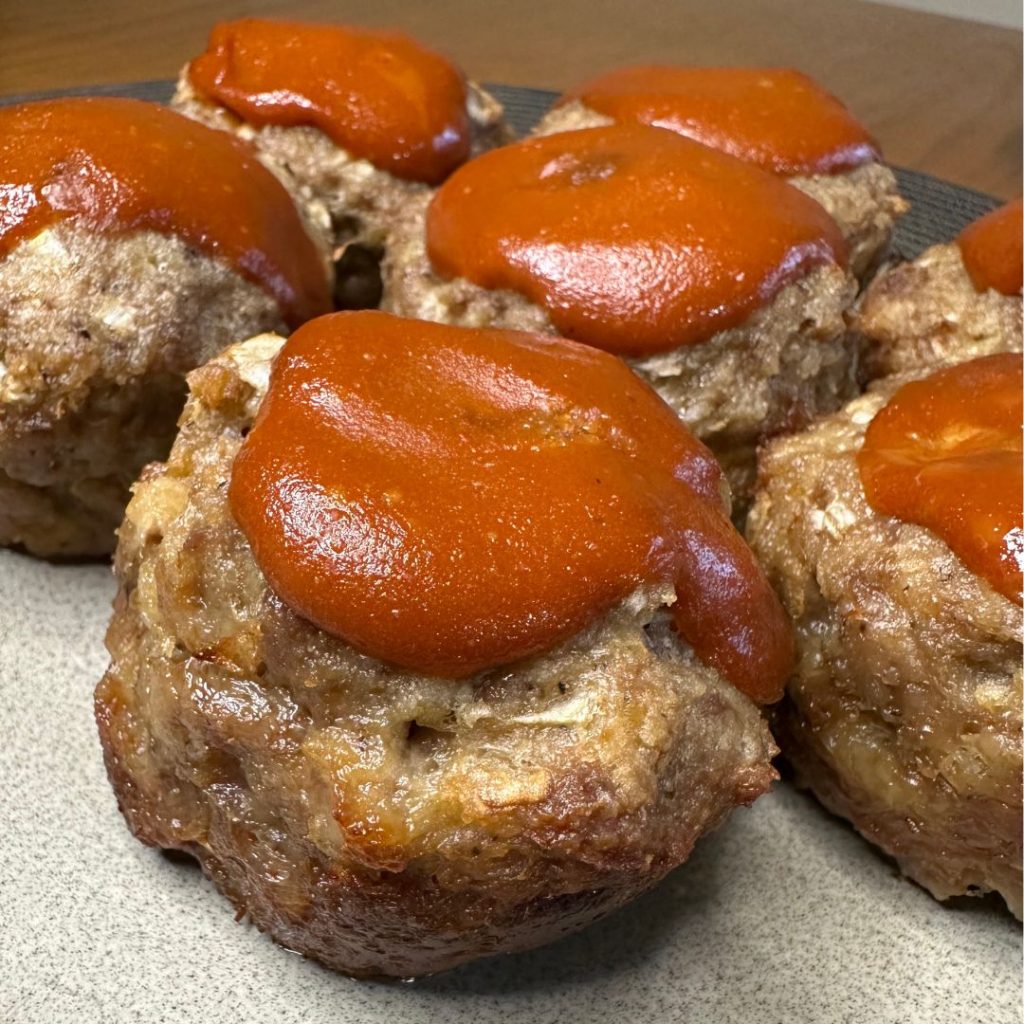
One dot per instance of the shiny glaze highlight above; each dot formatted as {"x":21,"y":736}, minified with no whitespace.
{"x":945,"y":453}
{"x":118,"y":165}
{"x":380,"y":96}
{"x":632,"y":239}
{"x":450,"y":500}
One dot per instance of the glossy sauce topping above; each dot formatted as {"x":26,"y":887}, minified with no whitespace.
{"x":451,"y":500}
{"x":991,"y":248}
{"x":120,"y":165}
{"x":633,"y":240}
{"x":776,"y":118}
{"x":379,"y":95}
{"x":945,"y":453}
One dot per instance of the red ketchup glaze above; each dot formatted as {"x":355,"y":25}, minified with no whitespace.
{"x":633,"y":240}
{"x":991,"y":248}
{"x":120,"y":165}
{"x":945,"y":453}
{"x":777,"y":118}
{"x":450,"y":500}
{"x":380,"y":96}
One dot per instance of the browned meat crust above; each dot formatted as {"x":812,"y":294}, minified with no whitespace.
{"x":928,"y":312}
{"x":382,"y":822}
{"x":790,"y":362}
{"x":362,"y":200}
{"x":96,"y":336}
{"x":865,"y":202}
{"x":904,"y":714}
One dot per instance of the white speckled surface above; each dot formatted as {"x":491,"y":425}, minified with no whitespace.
{"x":784,"y":915}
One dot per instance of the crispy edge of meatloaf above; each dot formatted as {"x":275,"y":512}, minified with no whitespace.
{"x":904,"y":713}
{"x":362,"y":200}
{"x":97,"y":333}
{"x":864,"y":201}
{"x":927,"y":312}
{"x":382,"y":822}
{"x":787,"y":363}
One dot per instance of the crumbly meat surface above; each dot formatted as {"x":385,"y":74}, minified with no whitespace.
{"x":865,"y":202}
{"x":382,"y":822}
{"x":904,"y":714}
{"x":97,"y":333}
{"x":788,"y":363}
{"x":928,"y":312}
{"x":362,"y":200}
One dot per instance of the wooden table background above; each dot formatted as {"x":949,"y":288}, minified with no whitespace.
{"x":941,"y":95}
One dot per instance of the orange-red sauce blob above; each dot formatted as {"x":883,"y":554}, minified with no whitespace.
{"x":379,"y":95}
{"x":451,"y":500}
{"x":945,"y":453}
{"x":991,"y":248}
{"x":776,"y":118}
{"x":633,"y":240}
{"x":120,"y":165}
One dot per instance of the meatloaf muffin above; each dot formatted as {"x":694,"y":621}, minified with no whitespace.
{"x":788,"y":360}
{"x":904,"y":713}
{"x":376,"y":818}
{"x":935,"y":310}
{"x":104,"y":305}
{"x":779,"y":119}
{"x":360,"y":119}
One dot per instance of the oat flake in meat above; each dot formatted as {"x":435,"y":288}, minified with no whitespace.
{"x":383,"y":820}
{"x":106,"y":301}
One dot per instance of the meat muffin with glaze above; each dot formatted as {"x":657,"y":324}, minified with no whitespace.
{"x":721,"y":285}
{"x":892,"y":531}
{"x":433,"y":642}
{"x":134,"y":245}
{"x":360,"y":118}
{"x":956,"y":301}
{"x":777,"y":118}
